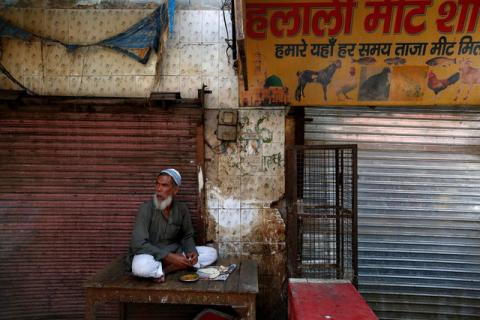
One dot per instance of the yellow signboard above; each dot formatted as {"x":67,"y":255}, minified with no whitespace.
{"x":347,"y":52}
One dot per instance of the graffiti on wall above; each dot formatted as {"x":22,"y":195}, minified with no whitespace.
{"x":254,"y":136}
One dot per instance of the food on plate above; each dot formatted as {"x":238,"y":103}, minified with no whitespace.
{"x":210,"y":273}
{"x":189,"y":277}
{"x":222,"y":269}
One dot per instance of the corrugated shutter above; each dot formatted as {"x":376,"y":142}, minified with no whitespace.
{"x":70,"y":186}
{"x":418,"y":206}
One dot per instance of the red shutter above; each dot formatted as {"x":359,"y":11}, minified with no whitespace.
{"x":70,"y":186}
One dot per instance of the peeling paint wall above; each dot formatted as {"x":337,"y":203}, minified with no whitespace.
{"x":48,"y":69}
{"x":243,"y":178}
{"x":75,"y":4}
{"x":194,"y":54}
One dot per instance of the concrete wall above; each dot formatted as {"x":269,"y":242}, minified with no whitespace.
{"x":48,"y":69}
{"x":243,"y":177}
{"x":194,"y":54}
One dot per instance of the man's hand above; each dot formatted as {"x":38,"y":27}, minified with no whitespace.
{"x":192,"y":257}
{"x":177,"y":260}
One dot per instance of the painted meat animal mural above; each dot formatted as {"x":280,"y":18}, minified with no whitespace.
{"x":375,"y":87}
{"x":323,"y":77}
{"x":349,"y":85}
{"x":437,"y":85}
{"x":469,"y":77}
{"x":441,"y":61}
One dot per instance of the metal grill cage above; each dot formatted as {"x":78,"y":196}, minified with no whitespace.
{"x":324,"y":211}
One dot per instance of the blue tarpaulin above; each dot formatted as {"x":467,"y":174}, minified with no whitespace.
{"x":171,"y":13}
{"x":10,"y":31}
{"x":137,"y":42}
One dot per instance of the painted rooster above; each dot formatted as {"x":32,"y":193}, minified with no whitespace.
{"x":437,"y":85}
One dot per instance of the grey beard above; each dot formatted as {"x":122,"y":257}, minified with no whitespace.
{"x":162,"y":204}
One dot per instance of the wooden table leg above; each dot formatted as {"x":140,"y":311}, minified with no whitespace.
{"x":89,"y":307}
{"x":246,"y":311}
{"x":122,"y":310}
{"x":252,"y":308}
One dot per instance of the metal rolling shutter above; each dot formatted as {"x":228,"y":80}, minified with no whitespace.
{"x":70,"y":186}
{"x":418,"y":206}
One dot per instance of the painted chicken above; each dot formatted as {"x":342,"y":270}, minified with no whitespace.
{"x":437,"y":85}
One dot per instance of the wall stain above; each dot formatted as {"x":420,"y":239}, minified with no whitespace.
{"x":243,"y":193}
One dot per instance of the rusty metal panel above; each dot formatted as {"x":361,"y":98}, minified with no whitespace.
{"x":292,"y":210}
{"x":70,"y":185}
{"x":418,"y":212}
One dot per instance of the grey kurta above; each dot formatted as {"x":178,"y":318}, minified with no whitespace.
{"x":154,"y":235}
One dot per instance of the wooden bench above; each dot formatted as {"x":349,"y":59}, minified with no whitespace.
{"x":113,"y":283}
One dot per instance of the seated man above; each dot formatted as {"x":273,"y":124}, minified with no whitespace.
{"x":162,"y":239}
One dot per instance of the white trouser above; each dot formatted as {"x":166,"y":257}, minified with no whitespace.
{"x":145,"y":265}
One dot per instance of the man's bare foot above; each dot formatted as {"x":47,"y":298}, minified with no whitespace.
{"x":159,"y":280}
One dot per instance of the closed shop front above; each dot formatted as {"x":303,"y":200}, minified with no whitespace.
{"x":418,"y":206}
{"x":71,"y":179}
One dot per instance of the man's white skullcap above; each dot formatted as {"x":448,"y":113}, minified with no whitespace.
{"x":174,"y":174}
